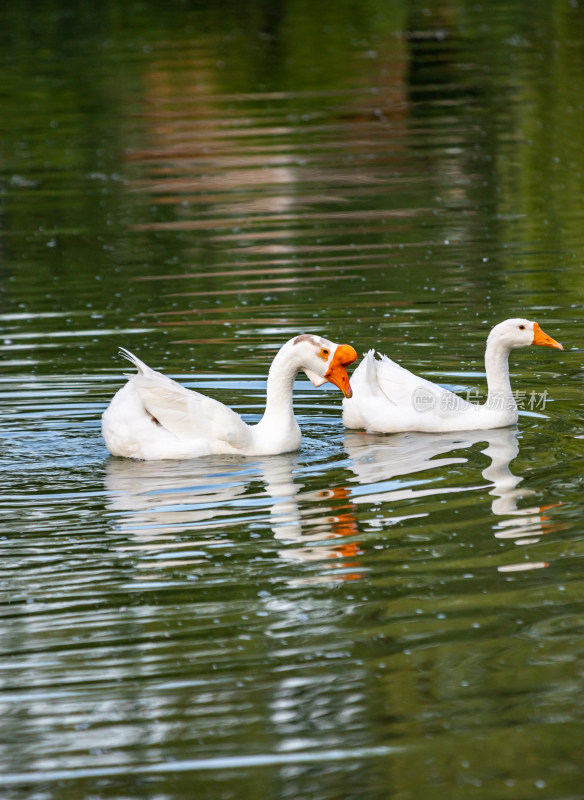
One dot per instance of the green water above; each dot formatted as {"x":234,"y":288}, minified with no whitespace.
{"x":371,"y":617}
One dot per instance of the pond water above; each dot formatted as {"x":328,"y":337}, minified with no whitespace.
{"x":372,"y":616}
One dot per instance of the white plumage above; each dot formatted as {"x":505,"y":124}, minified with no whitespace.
{"x":389,"y":399}
{"x":154,"y":417}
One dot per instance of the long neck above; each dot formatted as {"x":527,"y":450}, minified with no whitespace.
{"x":281,"y":376}
{"x":497,"y":369}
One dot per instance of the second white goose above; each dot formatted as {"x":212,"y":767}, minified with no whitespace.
{"x":389,"y":399}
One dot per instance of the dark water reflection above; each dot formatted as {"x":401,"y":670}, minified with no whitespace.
{"x":372,"y":616}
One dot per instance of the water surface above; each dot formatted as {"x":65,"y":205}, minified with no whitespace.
{"x":373,"y":616}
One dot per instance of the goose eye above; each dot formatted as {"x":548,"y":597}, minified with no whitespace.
{"x":324,"y":353}
{"x":522,"y":327}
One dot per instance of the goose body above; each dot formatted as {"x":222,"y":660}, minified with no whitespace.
{"x":153,"y":417}
{"x":389,"y":399}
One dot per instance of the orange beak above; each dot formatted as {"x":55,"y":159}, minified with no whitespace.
{"x":539,"y":337}
{"x":337,"y":374}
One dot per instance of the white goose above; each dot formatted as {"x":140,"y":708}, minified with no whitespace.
{"x":152,"y":417}
{"x":389,"y":399}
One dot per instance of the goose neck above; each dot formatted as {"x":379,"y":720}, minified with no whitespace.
{"x":279,"y":405}
{"x":497,"y":370}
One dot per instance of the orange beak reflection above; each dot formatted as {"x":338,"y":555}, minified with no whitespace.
{"x":337,"y":374}
{"x":539,"y":337}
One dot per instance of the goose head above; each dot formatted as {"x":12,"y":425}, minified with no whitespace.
{"x":519,"y":332}
{"x":322,"y":360}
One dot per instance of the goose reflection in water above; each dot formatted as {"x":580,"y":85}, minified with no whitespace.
{"x":377,"y":460}
{"x":157,"y":502}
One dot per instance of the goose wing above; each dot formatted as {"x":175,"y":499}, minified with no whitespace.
{"x":186,"y":414}
{"x":404,"y":389}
